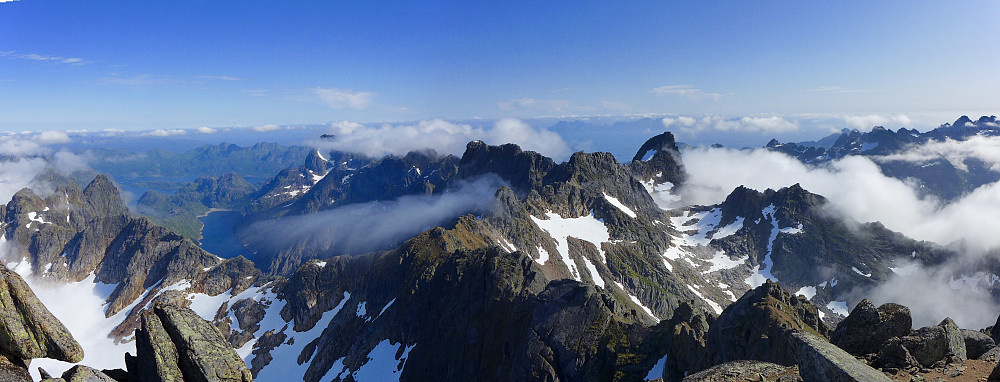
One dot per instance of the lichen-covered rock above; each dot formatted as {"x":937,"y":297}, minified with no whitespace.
{"x":931,"y":344}
{"x":820,"y":360}
{"x":867,"y":328}
{"x":175,"y":344}
{"x":893,"y":354}
{"x":27,"y":329}
{"x":13,"y":370}
{"x":746,"y":371}
{"x":80,"y":373}
{"x":977,"y":343}
{"x":757,"y":326}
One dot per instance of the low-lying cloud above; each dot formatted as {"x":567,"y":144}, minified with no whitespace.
{"x":440,"y":135}
{"x":856,"y":188}
{"x":986,"y":149}
{"x":764,"y":124}
{"x":865,"y":122}
{"x":366,"y":227}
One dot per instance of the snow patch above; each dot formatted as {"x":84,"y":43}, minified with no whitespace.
{"x":858,"y":271}
{"x":621,"y":206}
{"x":635,"y":300}
{"x":715,"y":307}
{"x":763,"y":271}
{"x":585,"y":228}
{"x":729,"y":230}
{"x":598,"y":280}
{"x":382,"y":363}
{"x":722,"y":261}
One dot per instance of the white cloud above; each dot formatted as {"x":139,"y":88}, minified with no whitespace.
{"x":206,"y":130}
{"x":344,"y":99}
{"x":866,"y":122}
{"x":42,"y":57}
{"x":685,"y":91}
{"x":442,"y":136}
{"x":767,"y":124}
{"x":165,"y":133}
{"x":983,"y":148}
{"x":856,"y":188}
{"x":17,"y":147}
{"x":266,"y":128}
{"x":51,"y":137}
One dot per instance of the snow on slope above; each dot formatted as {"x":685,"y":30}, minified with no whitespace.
{"x":763,"y":271}
{"x":585,"y":228}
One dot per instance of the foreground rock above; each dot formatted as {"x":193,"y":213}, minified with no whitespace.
{"x":820,"y":360}
{"x":174,"y":344}
{"x":746,"y":371}
{"x":867,"y":328}
{"x":27,"y":329}
{"x":757,"y":326}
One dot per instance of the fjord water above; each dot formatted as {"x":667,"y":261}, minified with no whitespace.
{"x":218,"y":237}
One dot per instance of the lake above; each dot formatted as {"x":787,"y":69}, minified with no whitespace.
{"x":218,"y":237}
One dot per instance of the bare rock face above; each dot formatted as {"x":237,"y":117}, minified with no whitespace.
{"x":27,"y":329}
{"x":746,"y":371}
{"x":13,"y":370}
{"x":977,"y":343}
{"x":931,"y":344}
{"x":867,"y":328}
{"x":758,"y":326}
{"x":80,"y":373}
{"x":820,"y":360}
{"x":175,"y":344}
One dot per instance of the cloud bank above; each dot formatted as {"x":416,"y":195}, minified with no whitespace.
{"x":365,"y":227}
{"x":856,"y":188}
{"x":765,"y":124}
{"x":440,"y":135}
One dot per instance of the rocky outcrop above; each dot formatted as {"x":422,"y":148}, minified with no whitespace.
{"x":658,"y":160}
{"x":523,"y":169}
{"x":762,"y":321}
{"x":819,"y":360}
{"x":175,"y":344}
{"x":27,"y":329}
{"x":686,"y":350}
{"x":13,"y":370}
{"x":866,"y":328}
{"x":933,"y":343}
{"x":977,"y":343}
{"x":745,"y":371}
{"x":80,"y":373}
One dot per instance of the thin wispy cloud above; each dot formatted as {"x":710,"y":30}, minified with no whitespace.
{"x":344,"y":99}
{"x":44,"y":58}
{"x":766,"y":124}
{"x":535,"y":105}
{"x":685,"y":91}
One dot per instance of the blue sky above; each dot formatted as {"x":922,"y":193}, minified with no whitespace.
{"x":184,"y":64}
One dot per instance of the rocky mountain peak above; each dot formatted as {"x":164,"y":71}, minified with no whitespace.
{"x":658,"y":159}
{"x":315,"y":162}
{"x":103,"y":196}
{"x":523,"y":169}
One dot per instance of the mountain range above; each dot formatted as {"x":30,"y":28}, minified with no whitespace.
{"x":581,"y":270}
